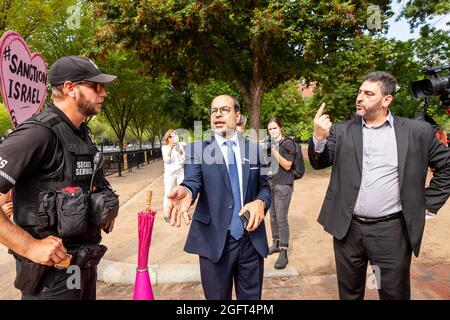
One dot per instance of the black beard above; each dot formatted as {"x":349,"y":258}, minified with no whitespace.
{"x":86,"y":109}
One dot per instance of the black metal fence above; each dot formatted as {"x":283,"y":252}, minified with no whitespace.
{"x":118,"y":162}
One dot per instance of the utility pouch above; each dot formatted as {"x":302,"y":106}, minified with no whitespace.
{"x":71,"y":209}
{"x":29,"y":275}
{"x":104,"y":207}
{"x":46,"y":215}
{"x":88,"y":256}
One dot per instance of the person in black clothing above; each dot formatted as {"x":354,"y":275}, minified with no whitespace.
{"x":49,"y":162}
{"x":282,"y":185}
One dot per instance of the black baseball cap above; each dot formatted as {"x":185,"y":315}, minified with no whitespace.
{"x":75,"y":68}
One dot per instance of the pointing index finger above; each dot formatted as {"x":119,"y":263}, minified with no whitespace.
{"x":320,"y":111}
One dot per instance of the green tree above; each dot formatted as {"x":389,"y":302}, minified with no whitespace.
{"x":71,"y":32}
{"x":32,"y":18}
{"x":125,"y":94}
{"x":256,"y":44}
{"x":432,"y":47}
{"x":43,"y":25}
{"x":55,"y":28}
{"x":341,"y":73}
{"x":419,"y":11}
{"x":5,"y":120}
{"x":283,"y":102}
{"x":203,"y":94}
{"x":160,"y":124}
{"x":152,"y":113}
{"x":101,"y":130}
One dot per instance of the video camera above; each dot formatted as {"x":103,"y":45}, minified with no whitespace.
{"x":434,"y":85}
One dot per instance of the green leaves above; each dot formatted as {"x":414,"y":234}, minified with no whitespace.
{"x":174,"y":56}
{"x":418,"y":11}
{"x":257,"y":44}
{"x":5,"y":120}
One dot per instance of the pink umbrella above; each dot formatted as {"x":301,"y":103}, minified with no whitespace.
{"x":142,"y":286}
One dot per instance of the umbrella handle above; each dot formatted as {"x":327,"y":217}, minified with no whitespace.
{"x":149,"y":199}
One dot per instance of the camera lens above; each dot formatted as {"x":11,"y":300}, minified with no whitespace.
{"x":430,"y":87}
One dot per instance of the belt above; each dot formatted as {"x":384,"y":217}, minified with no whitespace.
{"x":393,"y":216}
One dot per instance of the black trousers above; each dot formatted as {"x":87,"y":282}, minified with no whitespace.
{"x":239,"y":262}
{"x":386,"y":246}
{"x":63,"y":284}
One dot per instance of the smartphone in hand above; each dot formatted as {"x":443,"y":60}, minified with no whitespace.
{"x":245,"y":216}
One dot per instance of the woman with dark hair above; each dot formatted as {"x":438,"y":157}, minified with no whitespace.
{"x":173,"y":157}
{"x":281,"y":183}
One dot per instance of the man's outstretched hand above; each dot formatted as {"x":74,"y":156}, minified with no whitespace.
{"x":179,"y":202}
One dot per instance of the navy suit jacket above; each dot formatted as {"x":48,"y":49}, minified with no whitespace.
{"x":206,"y":175}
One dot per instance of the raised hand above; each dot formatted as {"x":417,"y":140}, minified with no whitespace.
{"x":322,"y":124}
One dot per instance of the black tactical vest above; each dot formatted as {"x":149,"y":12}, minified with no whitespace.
{"x":31,"y":193}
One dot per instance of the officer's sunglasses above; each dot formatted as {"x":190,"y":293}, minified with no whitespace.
{"x":97,"y":86}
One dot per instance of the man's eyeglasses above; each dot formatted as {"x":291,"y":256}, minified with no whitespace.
{"x":97,"y":86}
{"x":223,"y":110}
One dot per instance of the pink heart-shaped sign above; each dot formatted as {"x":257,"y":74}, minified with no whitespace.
{"x":23,"y":78}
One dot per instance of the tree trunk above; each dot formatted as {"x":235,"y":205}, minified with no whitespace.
{"x":255,"y":110}
{"x":121,"y":142}
{"x":252,"y":97}
{"x":253,"y":93}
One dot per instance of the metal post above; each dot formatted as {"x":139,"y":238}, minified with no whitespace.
{"x":120,"y":164}
{"x":130,"y":163}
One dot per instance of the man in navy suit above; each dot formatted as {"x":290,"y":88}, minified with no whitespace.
{"x":225,"y":174}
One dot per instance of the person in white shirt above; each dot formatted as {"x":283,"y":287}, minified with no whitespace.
{"x":173,"y":157}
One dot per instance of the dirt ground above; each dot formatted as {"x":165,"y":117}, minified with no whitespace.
{"x":310,"y":250}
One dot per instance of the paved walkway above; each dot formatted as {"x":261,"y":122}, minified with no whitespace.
{"x":309,"y":276}
{"x":427,"y":283}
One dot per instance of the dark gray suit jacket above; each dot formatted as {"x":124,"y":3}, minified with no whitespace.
{"x":417,"y":149}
